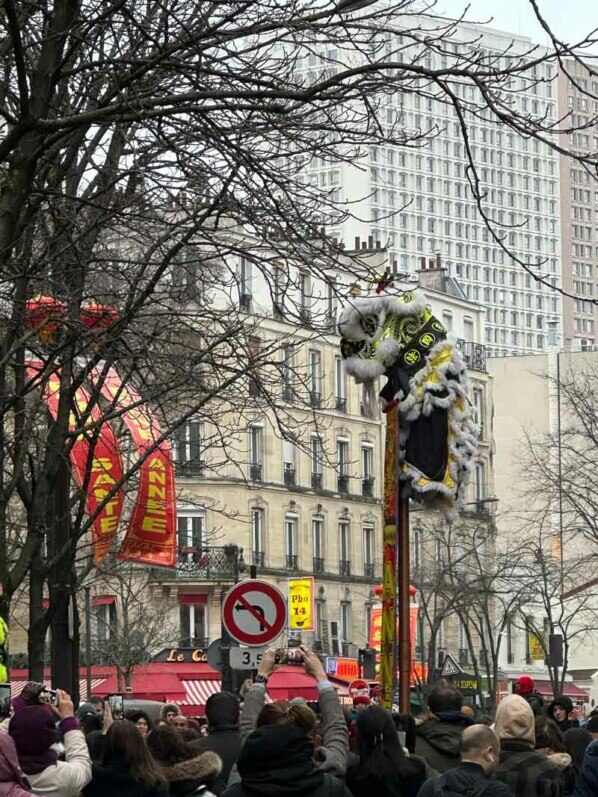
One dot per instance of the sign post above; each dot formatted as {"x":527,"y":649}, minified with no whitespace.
{"x":254,"y":613}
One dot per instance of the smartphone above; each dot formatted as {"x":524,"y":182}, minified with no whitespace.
{"x":49,"y":696}
{"x":4,"y":700}
{"x":117,"y":708}
{"x":288,"y":656}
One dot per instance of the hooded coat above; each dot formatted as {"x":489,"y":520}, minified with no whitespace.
{"x":33,"y":731}
{"x":277,"y":761}
{"x":586,"y":784}
{"x":13,"y":782}
{"x":527,"y":772}
{"x":567,"y":704}
{"x":185,"y":777}
{"x":439,"y":739}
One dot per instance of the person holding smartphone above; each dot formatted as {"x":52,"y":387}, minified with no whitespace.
{"x":33,"y":730}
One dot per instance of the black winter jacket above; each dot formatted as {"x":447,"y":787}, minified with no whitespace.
{"x":115,"y":780}
{"x":363,"y":784}
{"x":466,"y":780}
{"x":439,"y":739}
{"x":277,"y":761}
{"x":225,"y":742}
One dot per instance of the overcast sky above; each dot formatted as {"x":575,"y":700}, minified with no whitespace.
{"x":571,"y":20}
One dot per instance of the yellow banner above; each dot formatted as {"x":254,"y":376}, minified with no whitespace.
{"x":301,"y":604}
{"x":536,"y":648}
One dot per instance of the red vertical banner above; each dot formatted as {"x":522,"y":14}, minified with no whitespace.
{"x":151,"y":536}
{"x":375,"y":633}
{"x":94,"y":455}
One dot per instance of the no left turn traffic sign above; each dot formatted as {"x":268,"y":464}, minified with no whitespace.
{"x":254,"y":613}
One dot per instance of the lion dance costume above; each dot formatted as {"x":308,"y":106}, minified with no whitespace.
{"x":398,"y":337}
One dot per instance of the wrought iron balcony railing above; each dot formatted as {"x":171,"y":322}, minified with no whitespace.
{"x":344,"y":567}
{"x":367,"y":487}
{"x":369,"y":570}
{"x":289,"y":477}
{"x":255,"y":473}
{"x":316,"y":481}
{"x":292,"y":562}
{"x":318,"y":564}
{"x":474,"y":354}
{"x":207,"y":563}
{"x":340,"y":404}
{"x":343,"y":484}
{"x":258,"y":558}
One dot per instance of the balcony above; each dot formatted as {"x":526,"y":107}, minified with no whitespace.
{"x":463,"y":656}
{"x":289,"y":477}
{"x":344,"y":567}
{"x":316,"y":481}
{"x":245,"y":302}
{"x":340,"y":404}
{"x":315,"y":399}
{"x":318,"y":564}
{"x":190,"y":467}
{"x":292,"y":562}
{"x":367,"y":487}
{"x":255,"y":473}
{"x":343,"y":484}
{"x":204,"y":563}
{"x":369,"y":570}
{"x":288,"y":394}
{"x":258,"y":558}
{"x":305,"y":316}
{"x":474,"y":355}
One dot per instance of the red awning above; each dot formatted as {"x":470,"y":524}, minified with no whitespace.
{"x":569,"y":689}
{"x":102,"y":600}
{"x":165,"y":687}
{"x":193,"y":597}
{"x":288,"y":682}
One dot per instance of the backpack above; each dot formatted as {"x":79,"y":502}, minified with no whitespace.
{"x":442,"y":790}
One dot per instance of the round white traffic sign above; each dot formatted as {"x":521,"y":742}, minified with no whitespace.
{"x":254,"y":612}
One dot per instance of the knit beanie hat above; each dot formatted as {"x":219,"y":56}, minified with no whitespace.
{"x":515,"y":720}
{"x":524,"y":685}
{"x":361,"y":700}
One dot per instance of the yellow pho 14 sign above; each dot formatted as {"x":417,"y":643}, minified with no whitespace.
{"x":301,"y":604}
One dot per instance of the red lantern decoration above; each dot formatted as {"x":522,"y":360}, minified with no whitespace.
{"x":98,"y":317}
{"x":45,"y":315}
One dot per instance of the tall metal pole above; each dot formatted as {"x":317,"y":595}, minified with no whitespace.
{"x":389,"y":559}
{"x":88,"y":640}
{"x":404,"y":608}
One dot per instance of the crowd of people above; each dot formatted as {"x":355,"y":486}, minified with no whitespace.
{"x":256,"y":748}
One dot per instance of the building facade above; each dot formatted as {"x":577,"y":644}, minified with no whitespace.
{"x":416,"y":200}
{"x":579,"y":207}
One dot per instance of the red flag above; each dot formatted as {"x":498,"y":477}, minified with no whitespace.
{"x":96,"y":451}
{"x":151,"y":536}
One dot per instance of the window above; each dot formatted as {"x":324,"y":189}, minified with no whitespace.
{"x":314,"y":377}
{"x":316,"y":454}
{"x":468,"y":332}
{"x":245,"y":279}
{"x":478,"y":406}
{"x":104,"y":612}
{"x":367,"y":470}
{"x":320,"y":621}
{"x":342,"y":457}
{"x":340,"y":389}
{"x":369,"y":543}
{"x":191,"y":534}
{"x":288,"y":461}
{"x":254,"y":345}
{"x":256,"y":434}
{"x":193,"y":621}
{"x":331,"y":306}
{"x":462,"y":640}
{"x":290,"y":541}
{"x":304,"y":297}
{"x":480,"y":481}
{"x":344,"y":548}
{"x":345,"y":622}
{"x":257,"y":536}
{"x":188,"y":452}
{"x":317,"y":533}
{"x":278,"y":308}
{"x":416,"y":550}
{"x":447,"y":320}
{"x":288,"y":373}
